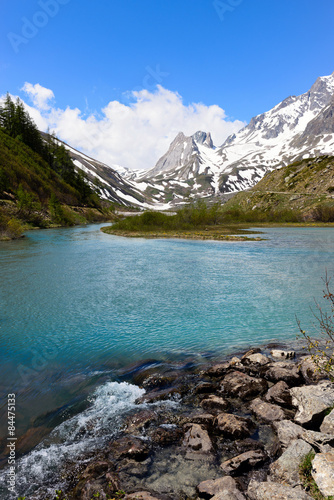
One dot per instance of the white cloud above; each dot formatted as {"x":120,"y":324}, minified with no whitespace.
{"x":132,"y":135}
{"x":39,"y":95}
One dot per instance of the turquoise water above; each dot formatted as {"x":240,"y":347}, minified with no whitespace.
{"x":78,"y":307}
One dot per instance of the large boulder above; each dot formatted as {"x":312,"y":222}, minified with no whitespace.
{"x":279,"y":394}
{"x":218,"y":370}
{"x":310,"y":371}
{"x":277,"y":353}
{"x":312,"y":402}
{"x":286,"y":469}
{"x":244,"y":462}
{"x":238,"y":384}
{"x":323,"y":472}
{"x":275,"y":491}
{"x":288,"y":431}
{"x":223,"y":487}
{"x":266,"y":412}
{"x":234,"y":426}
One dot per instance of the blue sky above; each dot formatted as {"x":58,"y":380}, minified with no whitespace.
{"x":241,"y":56}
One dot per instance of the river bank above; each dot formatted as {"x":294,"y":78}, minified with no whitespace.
{"x":235,"y":429}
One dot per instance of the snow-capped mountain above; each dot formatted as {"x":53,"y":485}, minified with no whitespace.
{"x":298,"y":127}
{"x":107,"y":181}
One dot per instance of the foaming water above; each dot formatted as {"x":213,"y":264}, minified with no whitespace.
{"x":72,"y":440}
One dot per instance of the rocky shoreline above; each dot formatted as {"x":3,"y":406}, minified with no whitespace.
{"x":235,"y":430}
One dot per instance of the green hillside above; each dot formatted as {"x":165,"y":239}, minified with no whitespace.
{"x":38,"y":182}
{"x":302,"y":191}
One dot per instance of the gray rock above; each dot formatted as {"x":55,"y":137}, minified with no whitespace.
{"x":274,"y":491}
{"x":233,"y":426}
{"x":244,"y":462}
{"x":279,"y":394}
{"x":223,"y":487}
{"x":238,"y":384}
{"x":283,"y":354}
{"x":309,"y":371}
{"x":288,"y":372}
{"x":286,"y":469}
{"x":287,"y":431}
{"x":214,"y":403}
{"x":312,"y":401}
{"x":196,"y":440}
{"x":256,"y":359}
{"x":327,"y":425}
{"x":266,"y":412}
{"x":323,"y":472}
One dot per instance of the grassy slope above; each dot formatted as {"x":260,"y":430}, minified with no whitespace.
{"x":301,"y":187}
{"x":19,"y":165}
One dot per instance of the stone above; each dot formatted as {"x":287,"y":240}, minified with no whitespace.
{"x":287,"y":431}
{"x":197,"y":440}
{"x":274,"y":491}
{"x":139,"y":421}
{"x":229,"y":495}
{"x":279,"y":394}
{"x":226,"y":484}
{"x":286,"y":468}
{"x":244,"y":462}
{"x":161,"y":395}
{"x":129,"y":447}
{"x":276,"y":353}
{"x":157,"y":380}
{"x":327,"y":425}
{"x":323,"y":472}
{"x":256,"y":360}
{"x":205,"y":419}
{"x":310,"y":372}
{"x":238,"y":384}
{"x":214,"y":403}
{"x":166,"y":435}
{"x":288,"y":372}
{"x":140,"y":495}
{"x":218,"y":370}
{"x":205,"y":388}
{"x":234,"y":426}
{"x":312,"y":402}
{"x":266,"y":412}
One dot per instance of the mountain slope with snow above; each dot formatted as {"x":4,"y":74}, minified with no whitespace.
{"x":298,"y":127}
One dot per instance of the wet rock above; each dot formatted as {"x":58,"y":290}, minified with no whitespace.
{"x":310,"y":372}
{"x":240,"y":385}
{"x":276,"y":353}
{"x":224,"y":488}
{"x":205,"y":419}
{"x":162,"y":395}
{"x":266,"y":412}
{"x":286,"y":469}
{"x":166,"y":435}
{"x":157,"y":380}
{"x":323,"y":472}
{"x":327,"y":425}
{"x":96,"y":478}
{"x":274,"y":491}
{"x":214,"y":404}
{"x":312,"y":402}
{"x":244,"y":462}
{"x":218,"y":370}
{"x":196,"y":440}
{"x":288,"y":372}
{"x":233,"y":426}
{"x":235,"y":362}
{"x":205,"y":388}
{"x":129,"y":447}
{"x":279,"y":394}
{"x":254,"y":350}
{"x":139,"y":421}
{"x":29,"y":440}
